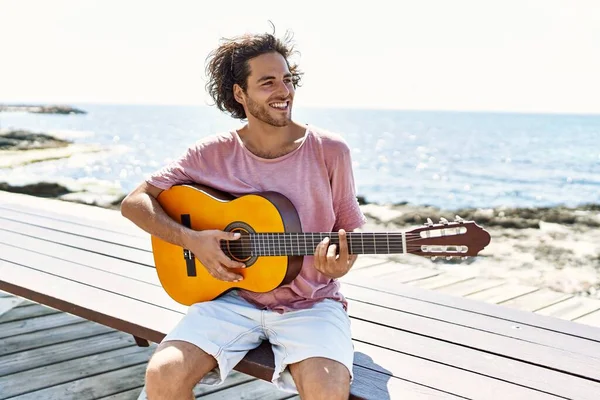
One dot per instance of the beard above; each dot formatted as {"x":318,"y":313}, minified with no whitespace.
{"x":262,"y":113}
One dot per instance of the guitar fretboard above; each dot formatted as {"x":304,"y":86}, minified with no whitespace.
{"x":302,"y":244}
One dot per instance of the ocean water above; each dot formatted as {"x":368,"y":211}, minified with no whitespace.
{"x":445,"y":159}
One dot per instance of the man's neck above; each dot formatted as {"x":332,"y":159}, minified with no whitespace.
{"x":269,"y":141}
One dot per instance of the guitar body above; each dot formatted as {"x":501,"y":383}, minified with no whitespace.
{"x":183,"y":276}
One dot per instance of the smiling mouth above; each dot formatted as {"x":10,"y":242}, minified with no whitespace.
{"x":280,"y":105}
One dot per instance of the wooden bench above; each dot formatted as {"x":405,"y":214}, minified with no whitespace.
{"x":409,"y":342}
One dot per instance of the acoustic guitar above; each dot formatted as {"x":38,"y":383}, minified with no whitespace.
{"x":272,"y":244}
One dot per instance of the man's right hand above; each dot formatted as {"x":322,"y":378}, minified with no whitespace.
{"x":205,"y":245}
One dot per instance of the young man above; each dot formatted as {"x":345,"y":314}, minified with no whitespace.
{"x":305,"y":321}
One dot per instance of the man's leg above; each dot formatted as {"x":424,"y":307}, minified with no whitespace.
{"x":204,"y":346}
{"x":321,"y":378}
{"x":175,"y":368}
{"x":313,"y":351}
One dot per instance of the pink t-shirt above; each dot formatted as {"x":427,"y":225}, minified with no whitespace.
{"x":316,"y":177}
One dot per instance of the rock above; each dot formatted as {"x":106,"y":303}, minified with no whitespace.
{"x":41,"y":189}
{"x":40,"y":109}
{"x":26,"y":140}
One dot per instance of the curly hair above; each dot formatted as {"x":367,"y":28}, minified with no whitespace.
{"x":228,"y":65}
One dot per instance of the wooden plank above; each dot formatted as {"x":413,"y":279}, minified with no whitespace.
{"x":61,"y":334}
{"x":536,"y":300}
{"x":506,"y":313}
{"x":68,"y":239}
{"x":372,"y":385}
{"x":445,"y":378}
{"x":119,"y":312}
{"x":462,"y":318}
{"x":39,"y":378}
{"x":367,"y":261}
{"x":7,"y":303}
{"x":479,"y":362}
{"x":572,"y":308}
{"x":93,"y":387}
{"x":98,"y":232}
{"x":445,"y":279}
{"x":408,"y":275}
{"x":131,"y":394}
{"x":60,"y":251}
{"x":378,"y":270}
{"x":31,"y":311}
{"x":470,"y":286}
{"x":577,"y":363}
{"x":69,"y":211}
{"x":254,"y":389}
{"x":592,"y":319}
{"x":99,"y":278}
{"x":81,"y":347}
{"x":37,"y":324}
{"x":230,"y":386}
{"x":502,"y":293}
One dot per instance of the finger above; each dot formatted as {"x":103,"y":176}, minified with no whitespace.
{"x":226,"y":275}
{"x":323,"y":250}
{"x":331,"y":255}
{"x":229,"y":263}
{"x":230,"y":235}
{"x":343,"y":245}
{"x":317,"y":260}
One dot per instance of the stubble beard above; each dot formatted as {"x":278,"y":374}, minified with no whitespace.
{"x":262,"y":114}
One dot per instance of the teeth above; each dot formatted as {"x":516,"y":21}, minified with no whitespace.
{"x":279,"y":105}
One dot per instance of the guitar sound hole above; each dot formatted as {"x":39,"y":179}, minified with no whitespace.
{"x":240,"y":249}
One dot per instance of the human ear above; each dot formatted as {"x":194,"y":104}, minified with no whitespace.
{"x":238,"y":94}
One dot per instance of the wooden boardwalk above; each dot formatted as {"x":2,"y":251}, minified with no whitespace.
{"x":49,"y":354}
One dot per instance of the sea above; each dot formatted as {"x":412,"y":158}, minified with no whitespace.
{"x":445,"y":159}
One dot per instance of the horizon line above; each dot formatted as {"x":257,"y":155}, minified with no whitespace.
{"x":310,"y":107}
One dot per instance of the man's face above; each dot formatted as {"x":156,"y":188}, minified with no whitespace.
{"x":270,"y":91}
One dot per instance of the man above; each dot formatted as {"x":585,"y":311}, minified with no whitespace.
{"x":306,"y":322}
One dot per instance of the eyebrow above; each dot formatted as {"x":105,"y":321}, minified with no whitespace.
{"x":266,"y":78}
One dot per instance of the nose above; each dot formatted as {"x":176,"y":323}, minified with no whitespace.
{"x":283,"y":89}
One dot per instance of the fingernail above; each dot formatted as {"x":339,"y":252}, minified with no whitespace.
{"x":236,"y":235}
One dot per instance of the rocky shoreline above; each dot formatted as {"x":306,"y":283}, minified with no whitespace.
{"x":21,"y":147}
{"x":40,"y":109}
{"x":552,"y":247}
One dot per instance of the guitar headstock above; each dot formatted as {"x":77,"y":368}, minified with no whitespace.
{"x":459,"y":238}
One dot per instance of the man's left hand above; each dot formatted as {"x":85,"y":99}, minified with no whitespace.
{"x":331,"y":264}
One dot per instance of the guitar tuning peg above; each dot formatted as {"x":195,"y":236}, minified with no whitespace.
{"x":458,"y":219}
{"x":443,"y":221}
{"x":449,"y":258}
{"x":434,"y":258}
{"x":429,"y":222}
{"x":464,"y":257}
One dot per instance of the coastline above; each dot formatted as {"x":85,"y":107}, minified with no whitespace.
{"x":550,"y":247}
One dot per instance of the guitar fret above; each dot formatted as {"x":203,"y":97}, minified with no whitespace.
{"x":362,"y":243}
{"x":388,"y":242}
{"x":374,"y":243}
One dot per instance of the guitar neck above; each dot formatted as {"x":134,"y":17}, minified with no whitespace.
{"x":302,"y":244}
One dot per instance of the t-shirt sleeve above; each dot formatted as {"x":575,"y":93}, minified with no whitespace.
{"x":178,"y":171}
{"x":345,"y":202}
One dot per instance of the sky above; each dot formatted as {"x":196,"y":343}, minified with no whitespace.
{"x":468,"y":55}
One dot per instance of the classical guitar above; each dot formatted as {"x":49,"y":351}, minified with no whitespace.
{"x":272,"y":243}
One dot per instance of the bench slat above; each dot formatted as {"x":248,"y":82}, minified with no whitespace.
{"x":476,"y":307}
{"x":93,"y":232}
{"x":480,"y":323}
{"x":62,"y":251}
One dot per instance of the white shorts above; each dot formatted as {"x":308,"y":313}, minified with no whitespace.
{"x":229,"y":326}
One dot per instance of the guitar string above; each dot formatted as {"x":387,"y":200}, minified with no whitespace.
{"x":265,"y":243}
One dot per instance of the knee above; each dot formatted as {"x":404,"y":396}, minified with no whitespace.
{"x":165,"y":375}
